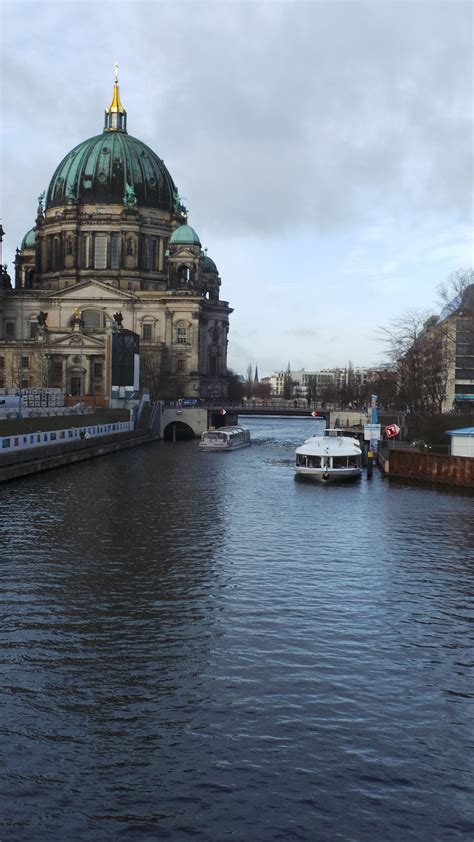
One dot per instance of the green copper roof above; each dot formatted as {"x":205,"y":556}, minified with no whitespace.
{"x":185,"y":234}
{"x":98,"y":170}
{"x":29,"y":240}
{"x":208,"y":265}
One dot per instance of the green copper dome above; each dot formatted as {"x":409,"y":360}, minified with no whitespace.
{"x":208,"y":265}
{"x":29,"y":240}
{"x":184,"y":235}
{"x":98,"y":170}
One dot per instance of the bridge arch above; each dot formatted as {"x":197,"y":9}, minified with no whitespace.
{"x":178,"y":431}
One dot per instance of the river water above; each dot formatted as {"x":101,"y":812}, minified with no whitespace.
{"x":199,"y":646}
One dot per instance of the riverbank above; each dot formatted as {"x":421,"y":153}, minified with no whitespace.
{"x":33,"y":461}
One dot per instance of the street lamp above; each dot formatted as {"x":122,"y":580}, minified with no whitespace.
{"x":81,"y":382}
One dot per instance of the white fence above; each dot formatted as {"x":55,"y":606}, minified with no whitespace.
{"x":42,"y":439}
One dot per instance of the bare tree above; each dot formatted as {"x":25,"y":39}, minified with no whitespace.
{"x":155,"y":371}
{"x":417,"y":349}
{"x":235,"y":387}
{"x":311,"y":388}
{"x":457,"y":292}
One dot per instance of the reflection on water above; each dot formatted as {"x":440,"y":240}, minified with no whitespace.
{"x":196,"y":644}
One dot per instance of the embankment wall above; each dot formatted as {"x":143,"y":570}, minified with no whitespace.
{"x":33,"y":461}
{"x":432,"y":467}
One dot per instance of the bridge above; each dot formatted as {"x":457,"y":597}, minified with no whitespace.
{"x":180,"y":421}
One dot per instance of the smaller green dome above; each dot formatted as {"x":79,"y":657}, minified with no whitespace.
{"x":185,"y":235}
{"x":208,"y":265}
{"x":29,"y":240}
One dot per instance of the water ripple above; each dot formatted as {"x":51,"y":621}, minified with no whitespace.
{"x":220,"y":652}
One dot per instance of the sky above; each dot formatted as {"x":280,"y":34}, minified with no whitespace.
{"x":324,"y":149}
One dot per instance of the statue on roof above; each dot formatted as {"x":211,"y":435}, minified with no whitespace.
{"x":118,"y":318}
{"x":41,"y":319}
{"x":130,"y":198}
{"x":179,"y":205}
{"x":77,"y":318}
{"x":41,"y":203}
{"x":6,"y":281}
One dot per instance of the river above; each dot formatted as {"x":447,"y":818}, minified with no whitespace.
{"x":200,"y":646}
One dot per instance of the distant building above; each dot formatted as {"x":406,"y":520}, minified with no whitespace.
{"x":436,"y":372}
{"x":325,"y":379}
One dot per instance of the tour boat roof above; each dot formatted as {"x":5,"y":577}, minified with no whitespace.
{"x":335,"y":446}
{"x":230,"y":430}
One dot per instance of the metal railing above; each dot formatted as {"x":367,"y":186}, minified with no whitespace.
{"x":26,"y":441}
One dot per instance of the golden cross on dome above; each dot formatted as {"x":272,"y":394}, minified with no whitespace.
{"x":116,"y":71}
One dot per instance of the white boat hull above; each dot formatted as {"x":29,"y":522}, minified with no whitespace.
{"x":326,"y":475}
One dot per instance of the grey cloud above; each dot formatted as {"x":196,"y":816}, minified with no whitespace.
{"x":270,"y":116}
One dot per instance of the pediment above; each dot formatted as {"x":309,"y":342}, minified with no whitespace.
{"x":183,"y":252}
{"x":76,"y":340}
{"x":91,"y":291}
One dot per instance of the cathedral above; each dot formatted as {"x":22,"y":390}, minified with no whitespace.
{"x":111,"y":250}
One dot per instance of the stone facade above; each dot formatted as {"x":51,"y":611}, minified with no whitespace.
{"x":111,"y":249}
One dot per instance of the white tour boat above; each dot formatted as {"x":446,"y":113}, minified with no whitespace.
{"x":334,"y":455}
{"x":224,"y":439}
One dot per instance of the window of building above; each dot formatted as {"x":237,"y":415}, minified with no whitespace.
{"x":213,"y":365}
{"x":2,"y":382}
{"x":147,"y":332}
{"x":9,"y":330}
{"x":33,"y":330}
{"x":97,"y":371}
{"x":114,"y":252}
{"x":181,"y":366}
{"x":25,"y":362}
{"x":92,"y":319}
{"x":25,"y":383}
{"x":75,"y":386}
{"x":100,"y":252}
{"x":2,"y":363}
{"x":150,"y":255}
{"x":464,"y":389}
{"x":182,"y":335}
{"x":86,"y":252}
{"x":56,"y":254}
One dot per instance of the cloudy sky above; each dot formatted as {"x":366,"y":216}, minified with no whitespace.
{"x":324,"y":148}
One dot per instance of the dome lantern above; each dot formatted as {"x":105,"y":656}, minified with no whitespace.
{"x":115,"y":114}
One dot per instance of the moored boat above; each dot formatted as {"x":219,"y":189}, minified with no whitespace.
{"x":224,"y":439}
{"x":333,"y":456}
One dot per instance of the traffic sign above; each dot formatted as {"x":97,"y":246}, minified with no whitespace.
{"x":392,"y":430}
{"x":314,"y":413}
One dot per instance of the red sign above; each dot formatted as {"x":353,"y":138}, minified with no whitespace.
{"x":223,"y":412}
{"x":314,"y":414}
{"x":392,"y":430}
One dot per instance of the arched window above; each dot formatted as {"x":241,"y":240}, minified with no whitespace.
{"x":92,"y":319}
{"x":147,"y":331}
{"x":182,"y":333}
{"x":184,"y":275}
